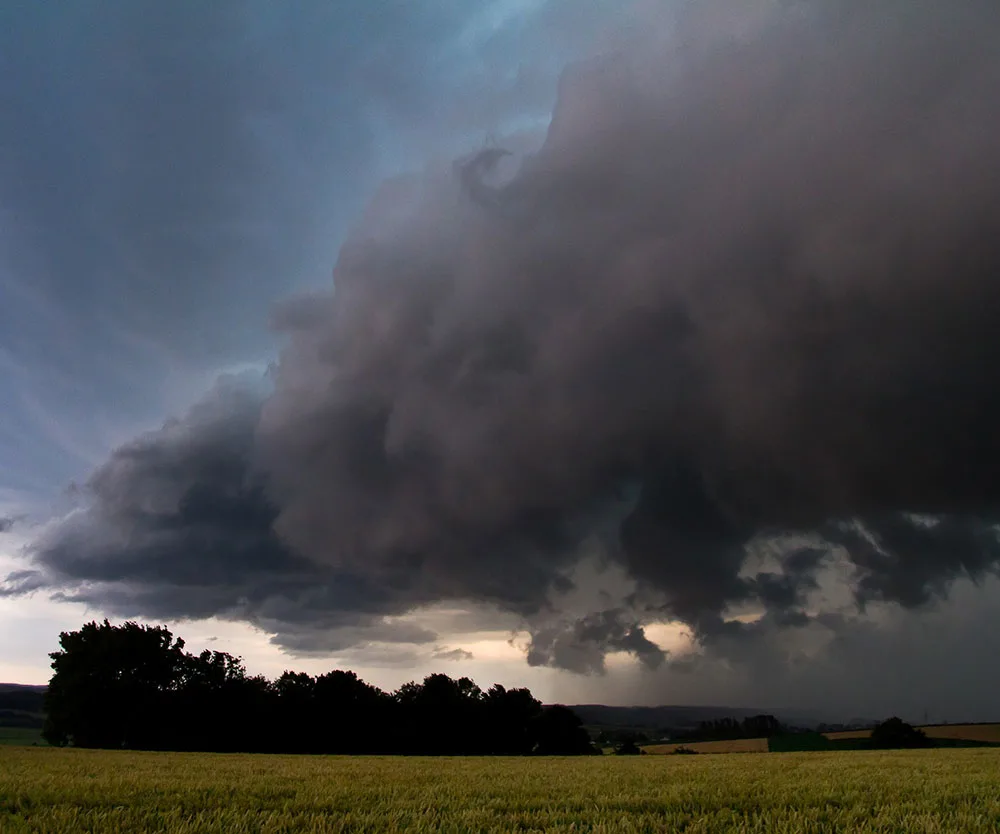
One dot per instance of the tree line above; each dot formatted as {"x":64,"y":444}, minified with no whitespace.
{"x":725,"y":729}
{"x":134,"y":686}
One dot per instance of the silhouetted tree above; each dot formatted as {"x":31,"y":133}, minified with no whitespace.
{"x":135,"y":686}
{"x":108,"y":685}
{"x":441,"y":716}
{"x":895,"y":734}
{"x":628,"y":748}
{"x":720,"y":729}
{"x":762,"y":726}
{"x":218,"y":706}
{"x":352,"y":716}
{"x":508,"y":719}
{"x":294,"y":729}
{"x":560,"y":732}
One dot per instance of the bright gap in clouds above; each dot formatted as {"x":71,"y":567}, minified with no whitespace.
{"x":29,"y":628}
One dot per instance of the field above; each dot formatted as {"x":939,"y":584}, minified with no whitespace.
{"x":966,"y":732}
{"x":20,"y":735}
{"x":738,"y":745}
{"x":947,"y":735}
{"x":62,"y":791}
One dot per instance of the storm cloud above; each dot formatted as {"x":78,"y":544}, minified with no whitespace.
{"x":581,"y":646}
{"x":743,"y":296}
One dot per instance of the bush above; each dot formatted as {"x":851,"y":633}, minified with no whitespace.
{"x":895,"y":734}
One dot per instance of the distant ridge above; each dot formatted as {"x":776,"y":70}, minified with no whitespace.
{"x":21,"y":706}
{"x":22,"y":687}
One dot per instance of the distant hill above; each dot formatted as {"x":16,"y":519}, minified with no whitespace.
{"x":20,"y":687}
{"x":21,"y":706}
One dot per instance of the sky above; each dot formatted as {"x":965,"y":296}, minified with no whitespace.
{"x":637,"y":353}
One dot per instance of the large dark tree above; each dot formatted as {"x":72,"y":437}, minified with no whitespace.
{"x":509,"y":718}
{"x":560,"y":732}
{"x":352,"y":716}
{"x":217,"y":706}
{"x":108,"y":685}
{"x":441,"y":715}
{"x":895,"y":733}
{"x":135,"y":686}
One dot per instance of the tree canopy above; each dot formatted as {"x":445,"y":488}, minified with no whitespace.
{"x":135,"y":686}
{"x":894,"y":733}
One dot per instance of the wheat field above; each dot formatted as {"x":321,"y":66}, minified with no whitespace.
{"x":970,"y":732}
{"x":63,"y":791}
{"x":736,"y":745}
{"x":967,"y":732}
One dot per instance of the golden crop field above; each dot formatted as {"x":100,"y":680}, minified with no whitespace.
{"x":737,"y":745}
{"x":971,"y":732}
{"x":62,"y":791}
{"x":968,"y":732}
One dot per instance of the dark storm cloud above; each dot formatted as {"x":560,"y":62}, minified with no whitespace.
{"x":913,"y":559}
{"x":582,"y":645}
{"x":20,"y":582}
{"x":452,"y":654}
{"x":747,"y":289}
{"x":7,"y":523}
{"x":177,"y":524}
{"x":893,"y":660}
{"x":754,"y":276}
{"x":312,"y":635}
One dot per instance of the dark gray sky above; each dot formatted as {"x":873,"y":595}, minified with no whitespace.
{"x":690,"y":397}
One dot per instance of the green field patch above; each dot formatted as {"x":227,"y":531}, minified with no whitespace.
{"x":962,"y":742}
{"x":798,"y":743}
{"x":21,"y":736}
